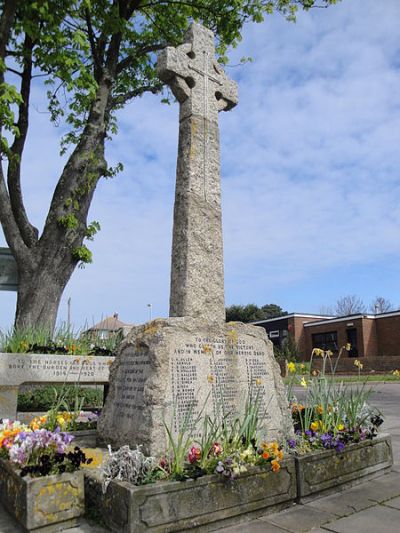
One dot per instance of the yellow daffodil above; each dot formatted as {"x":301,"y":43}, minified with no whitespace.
{"x":291,"y":367}
{"x":396,"y":372}
{"x":319,"y":409}
{"x":348,"y":346}
{"x":303,"y":382}
{"x":314,"y":426}
{"x":318,"y":352}
{"x":358,"y":364}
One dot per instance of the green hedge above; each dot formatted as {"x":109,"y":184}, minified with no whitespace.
{"x":42,"y":399}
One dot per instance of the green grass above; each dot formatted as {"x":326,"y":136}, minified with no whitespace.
{"x":355,"y":379}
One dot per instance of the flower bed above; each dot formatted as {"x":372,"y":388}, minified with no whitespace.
{"x":209,"y":501}
{"x":43,"y":501}
{"x":40,"y":484}
{"x":327,"y":469}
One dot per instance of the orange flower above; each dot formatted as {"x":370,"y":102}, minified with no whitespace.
{"x":265,"y":455}
{"x":279,"y":455}
{"x":275,"y":465}
{"x":319,"y":409}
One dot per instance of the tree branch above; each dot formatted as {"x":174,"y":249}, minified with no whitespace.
{"x":129,"y":60}
{"x":10,"y":228}
{"x":9,"y":224}
{"x":93,"y":46}
{"x":122,"y":99}
{"x":6,"y":21}
{"x":28,"y":232}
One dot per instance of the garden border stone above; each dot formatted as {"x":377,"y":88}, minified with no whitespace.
{"x":328,"y":469}
{"x":19,"y":368}
{"x":47,"y":504}
{"x":204,"y":504}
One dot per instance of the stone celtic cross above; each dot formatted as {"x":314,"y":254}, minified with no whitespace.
{"x":202,"y":90}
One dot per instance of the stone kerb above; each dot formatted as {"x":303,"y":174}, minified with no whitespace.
{"x":18,"y":369}
{"x":327,"y":470}
{"x":204,"y":504}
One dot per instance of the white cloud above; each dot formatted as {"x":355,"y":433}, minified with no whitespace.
{"x":310,"y":165}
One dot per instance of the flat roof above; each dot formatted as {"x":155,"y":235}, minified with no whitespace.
{"x":326,"y":318}
{"x":289,"y":315}
{"x":348,"y":318}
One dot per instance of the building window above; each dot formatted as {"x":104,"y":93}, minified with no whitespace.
{"x":325,"y":341}
{"x":274,"y":334}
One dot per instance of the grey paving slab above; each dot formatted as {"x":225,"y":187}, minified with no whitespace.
{"x":9,"y":525}
{"x":395,"y":503}
{"x":343,"y":503}
{"x":299,"y":518}
{"x":256,"y":526}
{"x":383,"y":488}
{"x":377,"y":518}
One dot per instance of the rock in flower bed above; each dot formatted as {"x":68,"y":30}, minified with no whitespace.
{"x":40,"y":481}
{"x":228,"y":468}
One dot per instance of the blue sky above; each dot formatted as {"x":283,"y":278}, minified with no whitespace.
{"x":310,"y":175}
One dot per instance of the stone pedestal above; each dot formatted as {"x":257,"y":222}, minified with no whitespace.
{"x":169,"y":371}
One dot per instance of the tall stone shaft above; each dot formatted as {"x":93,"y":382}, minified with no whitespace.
{"x":202,"y":90}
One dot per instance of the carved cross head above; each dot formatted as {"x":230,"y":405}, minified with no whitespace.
{"x":195,"y":77}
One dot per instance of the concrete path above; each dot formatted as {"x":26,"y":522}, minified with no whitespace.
{"x":370,"y":507}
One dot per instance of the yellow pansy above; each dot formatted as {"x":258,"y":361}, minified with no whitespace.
{"x":314,"y":426}
{"x":303,"y":382}
{"x":291,"y":367}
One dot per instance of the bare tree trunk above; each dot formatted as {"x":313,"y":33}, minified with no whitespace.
{"x":38,"y":300}
{"x":42,"y":281}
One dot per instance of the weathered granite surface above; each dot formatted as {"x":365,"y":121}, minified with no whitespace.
{"x":52,"y":502}
{"x":170,"y":370}
{"x":202,"y":89}
{"x":16,"y":369}
{"x":318,"y":472}
{"x":204,"y":504}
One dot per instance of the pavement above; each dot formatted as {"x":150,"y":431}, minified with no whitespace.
{"x":369,"y":507}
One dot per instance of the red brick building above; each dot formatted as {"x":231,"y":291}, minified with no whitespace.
{"x":373,"y":337}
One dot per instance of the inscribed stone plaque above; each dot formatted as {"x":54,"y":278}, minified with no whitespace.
{"x":174,"y":370}
{"x":16,"y":369}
